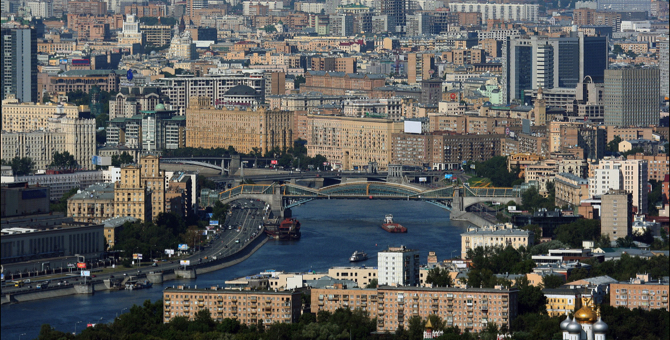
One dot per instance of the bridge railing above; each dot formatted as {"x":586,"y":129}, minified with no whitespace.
{"x":246,"y":189}
{"x":490,"y":192}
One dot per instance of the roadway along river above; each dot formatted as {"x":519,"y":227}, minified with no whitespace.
{"x":331,"y":231}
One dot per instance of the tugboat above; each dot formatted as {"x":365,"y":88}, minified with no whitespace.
{"x":133,"y":285}
{"x":358,"y":256}
{"x":392,"y":227}
{"x":288,"y":229}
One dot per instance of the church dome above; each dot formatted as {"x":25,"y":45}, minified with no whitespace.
{"x":600,"y":326}
{"x":574,"y":327}
{"x":586,"y":315}
{"x":159,"y":107}
{"x":565,"y":323}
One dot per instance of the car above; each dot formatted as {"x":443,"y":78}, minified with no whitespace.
{"x":93,"y":276}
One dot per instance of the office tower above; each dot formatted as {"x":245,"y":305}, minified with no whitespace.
{"x":554,"y":62}
{"x":630,"y":175}
{"x":617,"y":207}
{"x":341,"y":25}
{"x":398,"y":266}
{"x":631,"y":97}
{"x":418,"y":24}
{"x":18,"y":59}
{"x":431,"y":91}
{"x":396,"y":9}
{"x":193,"y":5}
{"x":663,"y":66}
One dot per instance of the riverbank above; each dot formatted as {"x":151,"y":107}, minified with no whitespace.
{"x":154,"y":277}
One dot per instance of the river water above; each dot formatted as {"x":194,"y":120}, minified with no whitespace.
{"x":331,"y":231}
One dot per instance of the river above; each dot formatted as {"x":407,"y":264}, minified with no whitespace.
{"x":331,"y":231}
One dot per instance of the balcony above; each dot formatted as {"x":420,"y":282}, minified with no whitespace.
{"x":201,"y":300}
{"x":320,"y":303}
{"x":167,"y":299}
{"x":201,"y":304}
{"x":186,"y":299}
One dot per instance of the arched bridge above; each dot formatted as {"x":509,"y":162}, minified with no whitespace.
{"x":451,"y":198}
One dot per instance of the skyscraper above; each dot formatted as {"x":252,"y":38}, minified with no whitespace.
{"x":663,"y":66}
{"x":631,"y":97}
{"x":18,"y":63}
{"x":531,"y":62}
{"x":398,"y":266}
{"x":397,"y":10}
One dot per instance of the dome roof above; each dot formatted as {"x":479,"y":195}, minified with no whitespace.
{"x":159,"y":107}
{"x":565,"y":323}
{"x":600,"y":326}
{"x":574,"y":327}
{"x":586,"y":315}
{"x":241,"y":90}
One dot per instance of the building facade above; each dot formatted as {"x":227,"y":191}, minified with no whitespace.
{"x":18,"y":64}
{"x":641,"y":292}
{"x":495,"y":236}
{"x":398,"y":266}
{"x":617,"y":208}
{"x":631,"y":97}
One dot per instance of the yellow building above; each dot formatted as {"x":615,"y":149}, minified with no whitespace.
{"x":130,"y":195}
{"x":350,"y":141}
{"x":562,"y":300}
{"x":153,"y":180}
{"x":244,"y":130}
{"x":331,"y":299}
{"x":25,"y":117}
{"x":502,"y":235}
{"x":92,"y":205}
{"x":248,"y":307}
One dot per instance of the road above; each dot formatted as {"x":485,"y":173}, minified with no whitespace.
{"x":241,"y":226}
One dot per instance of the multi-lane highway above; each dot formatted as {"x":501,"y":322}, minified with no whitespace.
{"x":243,"y":224}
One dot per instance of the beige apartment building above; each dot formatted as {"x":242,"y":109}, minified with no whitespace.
{"x":470,"y":309}
{"x":76,"y":136}
{"x":25,"y":117}
{"x":245,"y":130}
{"x":501,"y":235}
{"x":361,"y":275}
{"x":641,"y":292}
{"x":634,"y":177}
{"x":154,"y":181}
{"x":570,"y":189}
{"x":92,"y":205}
{"x":616,"y":210}
{"x":130,"y":195}
{"x":351,"y":142}
{"x":248,"y":307}
{"x":657,"y":166}
{"x":332,"y":298}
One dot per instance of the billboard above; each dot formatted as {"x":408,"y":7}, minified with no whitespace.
{"x":182,"y":247}
{"x":169,"y":251}
{"x":412,"y":126}
{"x":213,"y":222}
{"x":274,"y":162}
{"x":137,"y":256}
{"x":81,"y":265}
{"x":102,"y":161}
{"x":422,"y":179}
{"x":448,"y":176}
{"x":184,"y":262}
{"x":85,"y":273}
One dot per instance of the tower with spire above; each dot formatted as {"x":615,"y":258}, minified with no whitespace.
{"x":429,"y":333}
{"x":540,"y":108}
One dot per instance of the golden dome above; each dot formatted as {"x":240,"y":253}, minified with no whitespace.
{"x":586,"y":315}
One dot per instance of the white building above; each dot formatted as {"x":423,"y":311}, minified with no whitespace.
{"x":630,"y":175}
{"x":59,"y":184}
{"x":508,"y":12}
{"x":112,"y":175}
{"x":272,"y":5}
{"x":398,"y":266}
{"x":42,"y":9}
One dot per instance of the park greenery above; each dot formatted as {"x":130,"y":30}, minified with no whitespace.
{"x":165,"y":232}
{"x":63,"y":161}
{"x":496,"y":170}
{"x":123,"y":158}
{"x":20,"y":166}
{"x":61,"y":205}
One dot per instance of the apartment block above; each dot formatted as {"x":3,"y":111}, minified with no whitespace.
{"x":87,"y":7}
{"x":130,"y":195}
{"x":478,"y":148}
{"x":338,"y":83}
{"x":641,"y":292}
{"x":398,"y":266}
{"x":412,"y":149}
{"x":332,"y":298}
{"x":248,"y":307}
{"x":245,"y":130}
{"x":349,"y":141}
{"x":619,"y":174}
{"x":615,"y":221}
{"x":471,"y":309}
{"x":420,"y":67}
{"x":631,"y":97}
{"x":23,"y":117}
{"x":495,"y":236}
{"x":153,"y":181}
{"x":93,"y":204}
{"x":329,"y":64}
{"x":361,"y":275}
{"x":658,"y":166}
{"x":570,"y":189}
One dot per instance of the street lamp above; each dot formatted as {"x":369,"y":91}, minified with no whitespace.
{"x":117,"y":313}
{"x":75,"y":327}
{"x":20,"y":335}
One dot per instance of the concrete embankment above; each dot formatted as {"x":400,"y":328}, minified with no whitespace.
{"x":156,"y":277}
{"x":472,"y":218}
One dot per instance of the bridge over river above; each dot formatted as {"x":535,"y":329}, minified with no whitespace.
{"x":453,"y":198}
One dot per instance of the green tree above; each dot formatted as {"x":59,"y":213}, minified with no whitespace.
{"x":78,"y":97}
{"x":270,"y":28}
{"x":63,"y":160}
{"x":298,"y":80}
{"x":439,"y":277}
{"x":46,"y":98}
{"x":122,"y":159}
{"x":613,"y":145}
{"x":61,"y":206}
{"x":373,"y":284}
{"x":20,"y":166}
{"x":530,"y":298}
{"x":552,"y":281}
{"x":581,"y":230}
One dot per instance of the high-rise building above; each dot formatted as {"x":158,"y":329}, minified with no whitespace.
{"x":154,"y":181}
{"x":341,"y":25}
{"x":130,"y":195}
{"x":398,"y":266}
{"x":554,"y":62}
{"x":630,"y":175}
{"x":18,"y":63}
{"x":617,"y":209}
{"x":631,"y":97}
{"x":663,"y":66}
{"x":397,"y":11}
{"x":420,"y":67}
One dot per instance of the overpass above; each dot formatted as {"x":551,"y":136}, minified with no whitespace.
{"x":454,"y":199}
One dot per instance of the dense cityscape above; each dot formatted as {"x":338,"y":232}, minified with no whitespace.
{"x":335,"y":169}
